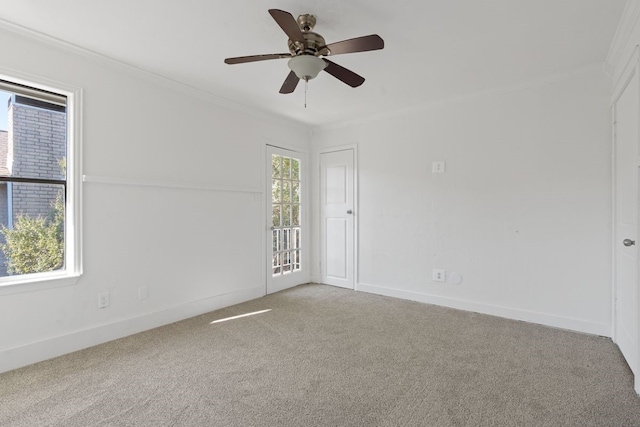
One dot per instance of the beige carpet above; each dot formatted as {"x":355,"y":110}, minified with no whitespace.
{"x":324,"y":356}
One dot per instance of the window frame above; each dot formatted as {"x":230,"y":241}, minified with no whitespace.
{"x":73,"y":206}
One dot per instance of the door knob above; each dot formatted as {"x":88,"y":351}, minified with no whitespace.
{"x":628,"y":242}
{"x":349,"y":211}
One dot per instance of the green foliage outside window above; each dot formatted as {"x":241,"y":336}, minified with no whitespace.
{"x":36,"y":245}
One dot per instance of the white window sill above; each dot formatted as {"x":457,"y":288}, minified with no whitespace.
{"x":37,"y":282}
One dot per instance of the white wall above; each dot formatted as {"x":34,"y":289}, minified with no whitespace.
{"x":522,"y":213}
{"x":196,"y":248}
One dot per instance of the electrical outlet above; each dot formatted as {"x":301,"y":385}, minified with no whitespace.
{"x":143,"y":293}
{"x":103,"y":300}
{"x":439,"y":275}
{"x":438,"y":166}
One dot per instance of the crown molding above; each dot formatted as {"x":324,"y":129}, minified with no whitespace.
{"x":146,"y":75}
{"x":626,"y":26}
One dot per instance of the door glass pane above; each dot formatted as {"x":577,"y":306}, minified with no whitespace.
{"x":286,"y":167}
{"x":276,"y":240}
{"x":275,"y":217}
{"x":276,"y":265}
{"x":286,"y":262}
{"x":276,"y":162}
{"x":276,"y":191}
{"x":286,"y":239}
{"x":296,"y":260}
{"x":295,"y":239}
{"x":286,"y":191}
{"x":295,"y":215}
{"x":286,"y":215}
{"x":295,"y":169}
{"x":295,"y":192}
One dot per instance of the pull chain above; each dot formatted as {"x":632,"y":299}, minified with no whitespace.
{"x":306,"y":85}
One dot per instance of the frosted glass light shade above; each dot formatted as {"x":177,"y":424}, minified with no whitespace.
{"x":306,"y":67}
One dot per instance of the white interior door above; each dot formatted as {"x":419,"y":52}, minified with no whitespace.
{"x":286,"y":219}
{"x":626,"y":123}
{"x":337,"y":218}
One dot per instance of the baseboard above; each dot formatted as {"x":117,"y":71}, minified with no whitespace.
{"x":18,"y":357}
{"x":601,"y":329}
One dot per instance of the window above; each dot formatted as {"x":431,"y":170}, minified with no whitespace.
{"x":39,"y":183}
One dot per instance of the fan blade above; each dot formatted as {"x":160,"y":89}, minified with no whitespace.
{"x":254,"y":58}
{"x":359,"y":44}
{"x":342,"y":74}
{"x":290,"y":83}
{"x":288,"y":24}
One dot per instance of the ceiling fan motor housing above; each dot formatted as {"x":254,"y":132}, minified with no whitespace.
{"x":314,"y":45}
{"x":314,"y":42}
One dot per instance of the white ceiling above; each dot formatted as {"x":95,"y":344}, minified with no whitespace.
{"x":434,"y":50}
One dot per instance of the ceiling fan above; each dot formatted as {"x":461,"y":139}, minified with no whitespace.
{"x":306,"y":49}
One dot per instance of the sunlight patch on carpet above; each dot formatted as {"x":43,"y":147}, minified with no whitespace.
{"x":239,"y":316}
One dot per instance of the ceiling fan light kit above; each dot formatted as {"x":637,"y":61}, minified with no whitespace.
{"x":307,"y":49}
{"x":306,"y":67}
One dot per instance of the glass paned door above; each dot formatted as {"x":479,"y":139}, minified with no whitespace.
{"x":286,"y":213}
